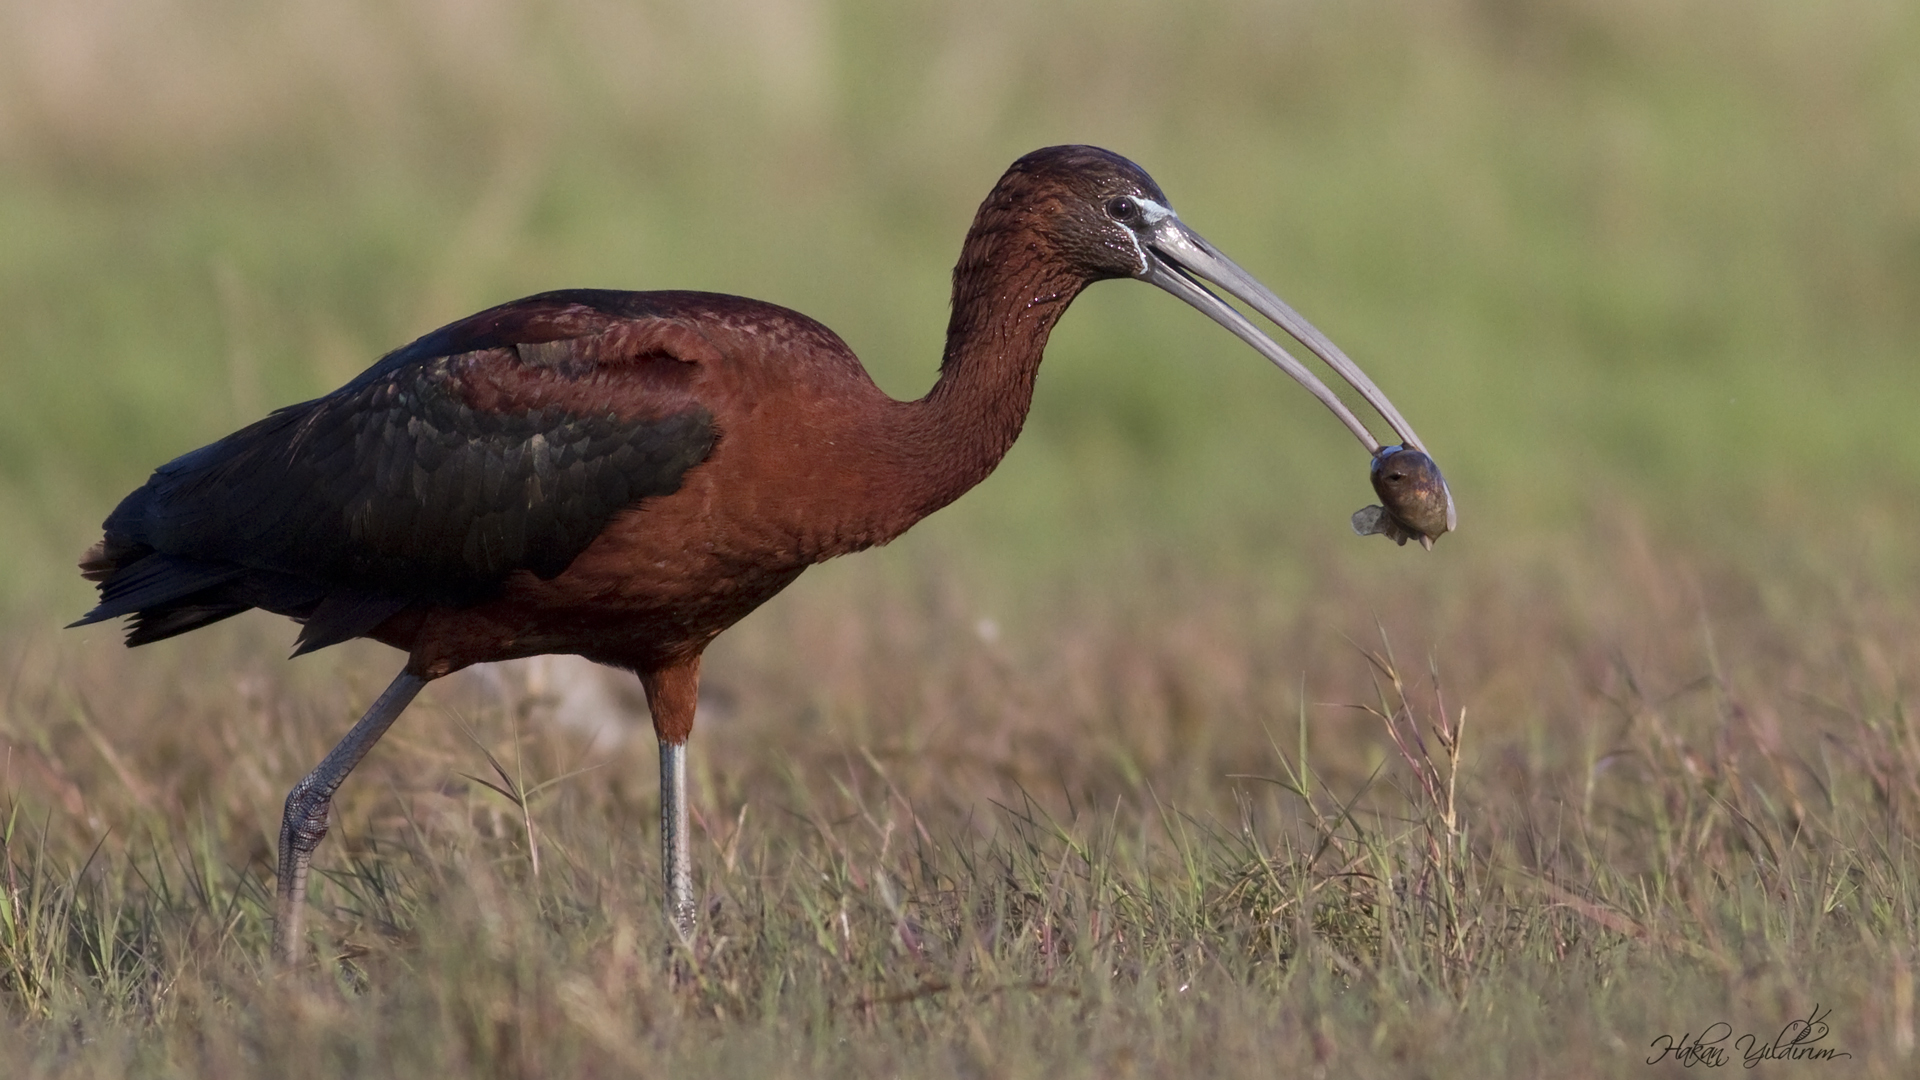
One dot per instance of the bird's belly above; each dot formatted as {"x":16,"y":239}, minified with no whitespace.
{"x":659,"y":584}
{"x":666,"y":576}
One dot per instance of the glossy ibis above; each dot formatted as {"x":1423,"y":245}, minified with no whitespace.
{"x":623,"y":475}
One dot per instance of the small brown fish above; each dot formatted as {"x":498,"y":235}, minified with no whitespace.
{"x":1418,"y":504}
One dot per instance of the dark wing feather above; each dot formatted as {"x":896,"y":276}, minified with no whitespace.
{"x":504,"y":442}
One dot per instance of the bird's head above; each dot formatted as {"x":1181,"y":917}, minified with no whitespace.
{"x":1092,"y":208}
{"x":1097,"y":215}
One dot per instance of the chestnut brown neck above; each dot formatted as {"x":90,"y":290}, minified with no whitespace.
{"x":1008,"y":291}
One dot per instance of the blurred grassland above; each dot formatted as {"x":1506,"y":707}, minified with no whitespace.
{"x":1643,"y":274}
{"x":1663,"y":253}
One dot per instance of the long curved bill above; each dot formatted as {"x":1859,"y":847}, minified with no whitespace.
{"x":1178,"y":259}
{"x":1176,"y":256}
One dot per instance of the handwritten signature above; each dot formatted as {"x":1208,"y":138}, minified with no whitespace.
{"x":1710,"y":1049}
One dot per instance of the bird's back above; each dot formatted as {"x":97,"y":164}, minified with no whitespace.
{"x":502,"y":443}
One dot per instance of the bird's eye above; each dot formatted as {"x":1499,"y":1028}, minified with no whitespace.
{"x":1121,"y":208}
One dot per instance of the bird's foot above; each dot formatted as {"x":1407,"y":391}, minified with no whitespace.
{"x":302,"y":826}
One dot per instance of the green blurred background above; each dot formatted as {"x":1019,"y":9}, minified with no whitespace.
{"x":1647,"y":258}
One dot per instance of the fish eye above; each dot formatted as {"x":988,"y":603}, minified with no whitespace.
{"x":1121,"y":208}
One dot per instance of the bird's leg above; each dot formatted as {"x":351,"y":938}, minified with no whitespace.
{"x":676,"y":855}
{"x":672,"y":693}
{"x":304,"y":824}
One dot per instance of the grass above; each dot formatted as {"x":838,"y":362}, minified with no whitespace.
{"x":1132,"y":762}
{"x":1611,"y":814}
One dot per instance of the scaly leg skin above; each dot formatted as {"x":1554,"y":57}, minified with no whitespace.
{"x":676,"y":855}
{"x":673,"y":694}
{"x":304,"y":824}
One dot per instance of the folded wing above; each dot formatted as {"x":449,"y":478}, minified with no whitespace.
{"x":505,"y":442}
